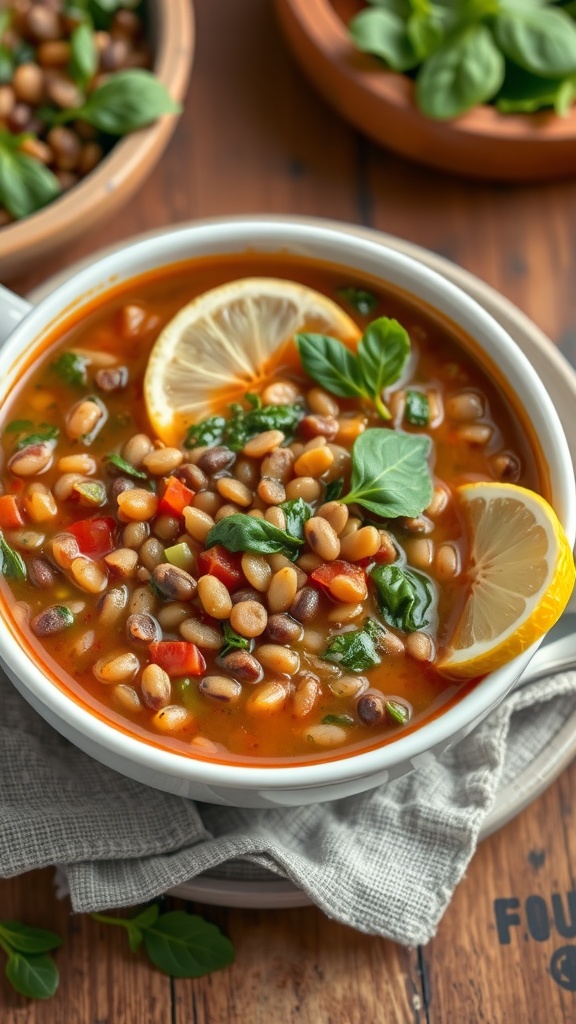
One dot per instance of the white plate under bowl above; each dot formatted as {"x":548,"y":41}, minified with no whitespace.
{"x":559,"y":378}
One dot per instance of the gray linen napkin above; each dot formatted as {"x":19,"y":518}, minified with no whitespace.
{"x":385,"y":862}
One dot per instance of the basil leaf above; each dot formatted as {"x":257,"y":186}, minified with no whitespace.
{"x":25,"y":184}
{"x":125,"y":467}
{"x":297,"y":513}
{"x":390,"y":473}
{"x":233,"y":641}
{"x":399,"y":713}
{"x":363,"y":301}
{"x":24,"y":939}
{"x":12,"y":565}
{"x":71,"y":368}
{"x":333,"y":490}
{"x":542,"y":41}
{"x":425,"y":30}
{"x":356,"y":650}
{"x":83,"y":55}
{"x":330,"y":363}
{"x":207,"y":432}
{"x":45,"y":432}
{"x":405,"y":597}
{"x":242,"y":532}
{"x":186,"y":946}
{"x":127,"y":101}
{"x":384,"y":34}
{"x":382,"y":355}
{"x":245,"y":423}
{"x":33,"y":976}
{"x":6,"y":65}
{"x":467,"y":70}
{"x":417,"y":408}
{"x":344,"y":720}
{"x":17,"y":426}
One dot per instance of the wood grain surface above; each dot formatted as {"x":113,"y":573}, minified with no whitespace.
{"x":255,"y":138}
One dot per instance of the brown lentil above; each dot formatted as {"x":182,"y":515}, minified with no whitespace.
{"x":162,"y":461}
{"x":215,"y":460}
{"x":371,"y":707}
{"x":111,"y":606}
{"x":260,"y":445}
{"x":122,"y":561}
{"x":134,"y":534}
{"x":278,"y":465}
{"x":136,"y":449}
{"x":221,"y":688}
{"x":282,"y":629}
{"x":143,"y":629}
{"x":166,"y":528}
{"x":304,"y":487}
{"x":234,"y":490}
{"x":151,"y":553}
{"x":420,"y":646}
{"x":322,"y":403}
{"x":243,"y":666}
{"x":271,"y":491}
{"x":174,"y":583}
{"x":305,"y":604}
{"x":192,"y":477}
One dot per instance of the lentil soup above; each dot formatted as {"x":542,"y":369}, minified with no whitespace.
{"x":233,"y":596}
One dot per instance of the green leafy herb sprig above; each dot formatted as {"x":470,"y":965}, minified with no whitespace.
{"x":243,"y":424}
{"x":12,"y":565}
{"x":517,"y":54}
{"x":180,"y":944}
{"x":29,"y":967}
{"x":379,"y":361}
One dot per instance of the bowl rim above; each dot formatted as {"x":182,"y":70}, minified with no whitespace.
{"x":295,"y":233}
{"x":324,"y":27}
{"x":174,"y":33}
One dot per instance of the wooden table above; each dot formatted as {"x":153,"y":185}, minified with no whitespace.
{"x":255,"y":138}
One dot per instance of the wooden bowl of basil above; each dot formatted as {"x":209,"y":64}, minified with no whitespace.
{"x":487,"y":115}
{"x":138,"y":116}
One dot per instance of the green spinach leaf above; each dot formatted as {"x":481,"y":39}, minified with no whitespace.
{"x":12,"y":565}
{"x":541,"y":40}
{"x":334,"y":490}
{"x":233,"y":641}
{"x":466,"y":70}
{"x":83,"y":55}
{"x":297,"y":513}
{"x":242,"y":532}
{"x":208,"y":432}
{"x":406,"y":598}
{"x":245,"y":423}
{"x":33,"y":976}
{"x":25,"y":184}
{"x":384,"y":34}
{"x":358,"y":649}
{"x":417,"y":408}
{"x":127,"y":101}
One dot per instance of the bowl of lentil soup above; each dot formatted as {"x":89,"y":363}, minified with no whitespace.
{"x":214,"y":613}
{"x":124,"y":69}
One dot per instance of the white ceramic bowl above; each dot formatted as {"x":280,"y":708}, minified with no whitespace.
{"x":253,"y":786}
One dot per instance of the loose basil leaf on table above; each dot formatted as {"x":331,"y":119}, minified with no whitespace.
{"x":356,"y":650}
{"x":405,"y":597}
{"x":29,"y":968}
{"x":242,"y":532}
{"x":468,"y":69}
{"x":390,"y":473}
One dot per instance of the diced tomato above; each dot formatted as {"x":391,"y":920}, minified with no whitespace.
{"x":382,"y":556}
{"x":325,"y":573}
{"x":225,"y":565}
{"x":177,"y":657}
{"x":10,"y":515}
{"x":94,"y":536}
{"x":175,"y":498}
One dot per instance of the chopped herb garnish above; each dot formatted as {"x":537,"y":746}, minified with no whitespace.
{"x":125,"y":467}
{"x":208,"y":432}
{"x":242,"y":532}
{"x":233,"y":641}
{"x":12,"y":564}
{"x":18,"y":426}
{"x":399,"y":713}
{"x":45,"y":432}
{"x":417,"y":409}
{"x":297,"y":513}
{"x":333,"y":490}
{"x":91,"y":492}
{"x":344,"y":720}
{"x":358,"y":649}
{"x":405,"y":597}
{"x":243,"y":424}
{"x":71,"y":368}
{"x":363,"y":301}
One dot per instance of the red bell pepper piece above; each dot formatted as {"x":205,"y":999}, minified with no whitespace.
{"x":94,"y":536}
{"x":10,"y":515}
{"x":383,"y":556}
{"x":225,"y":565}
{"x":175,"y":498}
{"x":327,"y":572}
{"x":177,"y":657}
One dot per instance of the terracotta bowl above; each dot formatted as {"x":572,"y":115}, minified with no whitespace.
{"x":124,"y":169}
{"x":480,"y":144}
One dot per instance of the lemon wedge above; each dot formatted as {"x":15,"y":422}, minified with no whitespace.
{"x":226,"y":342}
{"x":520,"y":576}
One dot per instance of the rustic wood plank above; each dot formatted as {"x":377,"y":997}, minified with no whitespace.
{"x":492,"y":961}
{"x":298,"y":966}
{"x":101,"y":981}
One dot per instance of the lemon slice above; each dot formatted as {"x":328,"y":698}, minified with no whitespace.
{"x":520,"y":576}
{"x":226,"y":342}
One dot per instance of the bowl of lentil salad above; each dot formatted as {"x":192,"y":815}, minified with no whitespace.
{"x":294,"y":778}
{"x":127,"y":66}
